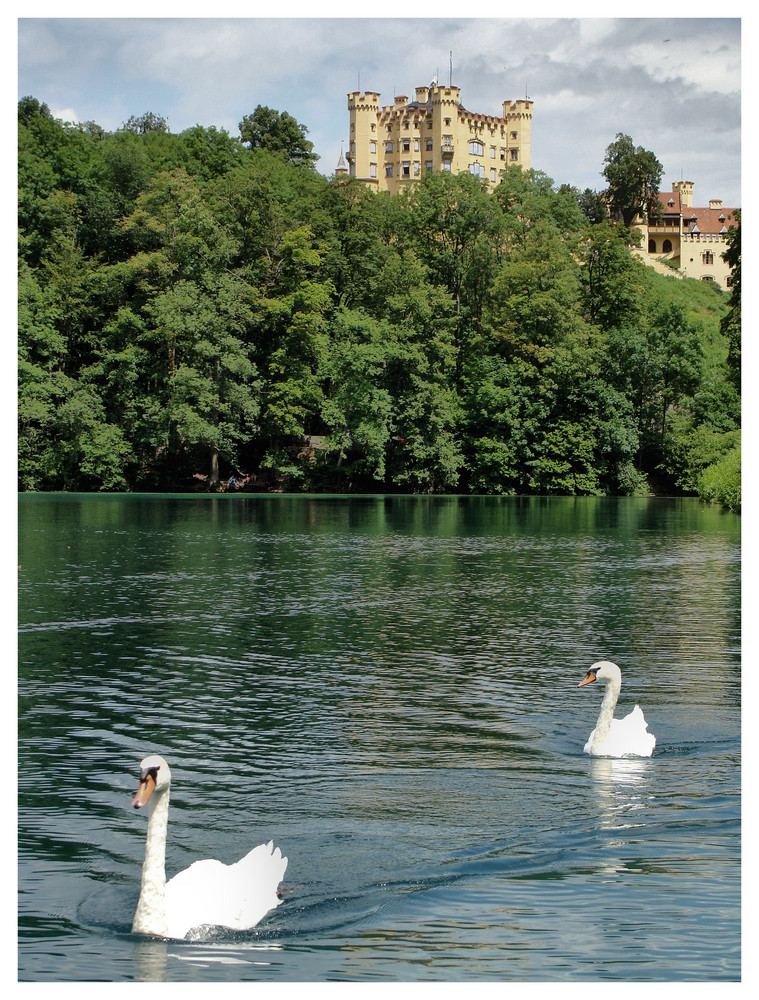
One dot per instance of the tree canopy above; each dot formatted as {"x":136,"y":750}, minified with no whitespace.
{"x":192,"y":308}
{"x":278,"y":132}
{"x":633,"y":175}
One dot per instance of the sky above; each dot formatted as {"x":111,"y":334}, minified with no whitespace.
{"x":672,"y":84}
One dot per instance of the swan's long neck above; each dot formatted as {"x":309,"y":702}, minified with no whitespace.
{"x":605,"y":716}
{"x":150,"y":915}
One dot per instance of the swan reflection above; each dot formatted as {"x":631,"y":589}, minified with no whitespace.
{"x":151,"y":955}
{"x":620,"y":770}
{"x":621,"y":785}
{"x":150,"y":960}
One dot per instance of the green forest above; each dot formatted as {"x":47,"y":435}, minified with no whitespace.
{"x":196,"y":308}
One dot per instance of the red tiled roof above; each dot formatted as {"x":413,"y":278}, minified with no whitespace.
{"x":709,"y":220}
{"x":665,"y":197}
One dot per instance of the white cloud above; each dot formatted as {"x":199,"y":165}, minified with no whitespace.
{"x":65,"y":114}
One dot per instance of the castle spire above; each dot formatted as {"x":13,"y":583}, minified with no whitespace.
{"x":342,"y":166}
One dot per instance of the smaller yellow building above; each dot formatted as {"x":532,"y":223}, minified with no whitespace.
{"x":693,"y":239}
{"x":392,"y":145}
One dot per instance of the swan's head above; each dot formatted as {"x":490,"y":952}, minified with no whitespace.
{"x":154,"y":776}
{"x":604,"y":671}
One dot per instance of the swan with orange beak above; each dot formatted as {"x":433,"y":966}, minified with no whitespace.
{"x":612,"y":737}
{"x":208,"y":893}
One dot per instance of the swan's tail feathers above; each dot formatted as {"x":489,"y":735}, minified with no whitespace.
{"x":632,"y":735}
{"x":275,"y":853}
{"x":261,"y":870}
{"x":648,"y":740}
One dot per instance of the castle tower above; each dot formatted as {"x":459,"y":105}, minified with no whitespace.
{"x":445,"y":103}
{"x":362,"y":149}
{"x":518,"y":116}
{"x":686,"y":192}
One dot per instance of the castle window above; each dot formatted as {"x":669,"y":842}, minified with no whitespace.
{"x":476,"y":148}
{"x":405,"y":169}
{"x":477,"y":169}
{"x":372,"y":169}
{"x":492,"y":175}
{"x":389,"y":146}
{"x":513,"y":135}
{"x":447,"y":165}
{"x":406,"y":145}
{"x":666,"y":246}
{"x":707,"y":257}
{"x":652,"y":246}
{"x":416,"y":168}
{"x":513,"y":154}
{"x":492,"y":152}
{"x":707,"y":277}
{"x":353,"y":147}
{"x":428,"y":166}
{"x":503,"y":154}
{"x":388,"y":170}
{"x":429,"y":144}
{"x":416,"y":145}
{"x":372,"y":146}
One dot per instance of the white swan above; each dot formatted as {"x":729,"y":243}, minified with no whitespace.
{"x":206,"y":893}
{"x":616,"y":737}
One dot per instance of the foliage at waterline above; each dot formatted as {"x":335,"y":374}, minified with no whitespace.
{"x":191,"y":308}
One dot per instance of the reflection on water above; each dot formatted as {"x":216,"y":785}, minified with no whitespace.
{"x":622,"y":791}
{"x":150,"y":960}
{"x":387,"y":687}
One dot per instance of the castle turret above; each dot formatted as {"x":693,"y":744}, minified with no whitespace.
{"x":362,"y":151}
{"x":518,"y":116}
{"x":342,"y":167}
{"x":686,"y":192}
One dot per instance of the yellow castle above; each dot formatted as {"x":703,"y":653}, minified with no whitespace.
{"x":396,"y":144}
{"x":691,"y":238}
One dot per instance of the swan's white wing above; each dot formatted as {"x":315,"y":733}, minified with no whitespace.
{"x":629,"y":735}
{"x":235,"y":896}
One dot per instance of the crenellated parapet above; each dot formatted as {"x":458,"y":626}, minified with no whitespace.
{"x":517,"y":109}
{"x":369,"y":101}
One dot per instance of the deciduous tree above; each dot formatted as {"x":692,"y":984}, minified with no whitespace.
{"x":633,"y":175}
{"x":278,"y":132}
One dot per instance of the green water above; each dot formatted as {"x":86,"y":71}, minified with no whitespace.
{"x":387,"y":688}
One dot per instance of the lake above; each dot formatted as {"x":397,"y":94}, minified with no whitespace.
{"x":385,"y":686}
